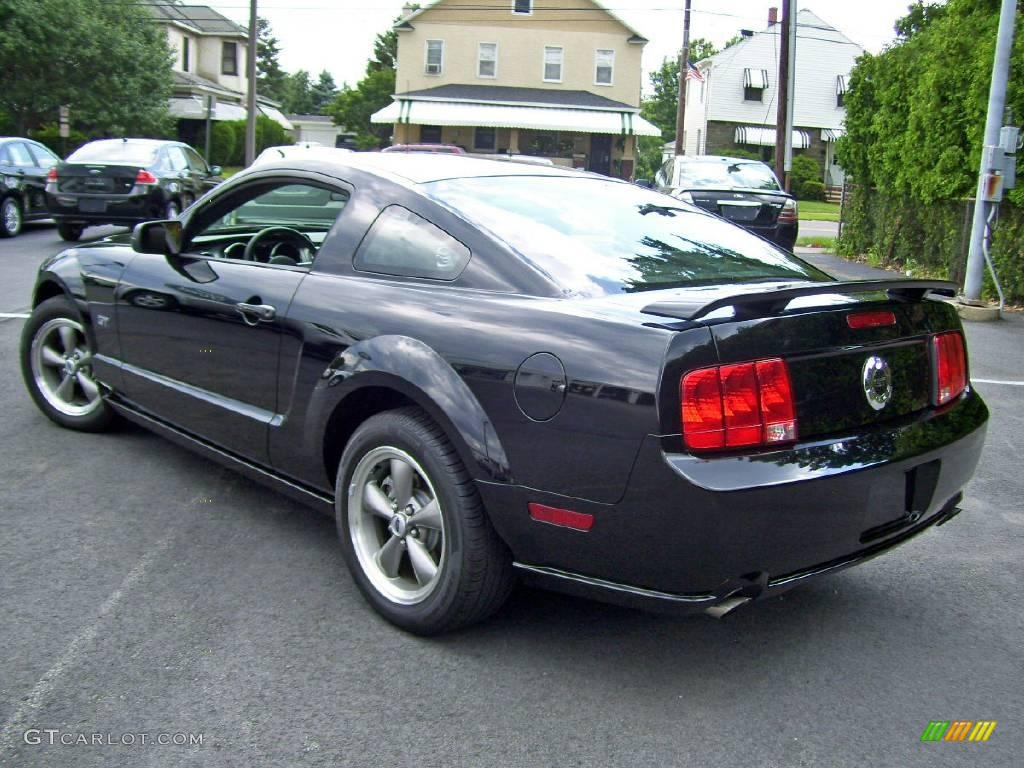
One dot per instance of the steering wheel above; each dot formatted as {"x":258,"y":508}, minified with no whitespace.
{"x":283,"y":234}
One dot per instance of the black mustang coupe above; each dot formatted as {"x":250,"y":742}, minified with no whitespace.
{"x":490,"y":369}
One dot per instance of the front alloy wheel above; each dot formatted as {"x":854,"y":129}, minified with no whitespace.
{"x":413,"y":529}
{"x":56,"y":360}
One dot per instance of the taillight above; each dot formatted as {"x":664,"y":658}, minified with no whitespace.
{"x":950,"y":366}
{"x":51,"y":175}
{"x":736,"y":406}
{"x":788,"y":214}
{"x":145,"y":177}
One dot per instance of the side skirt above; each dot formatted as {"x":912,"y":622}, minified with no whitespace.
{"x":308,"y":496}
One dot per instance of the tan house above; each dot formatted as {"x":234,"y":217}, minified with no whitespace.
{"x":551,"y":78}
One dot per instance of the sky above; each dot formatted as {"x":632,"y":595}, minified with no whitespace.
{"x":337,"y":35}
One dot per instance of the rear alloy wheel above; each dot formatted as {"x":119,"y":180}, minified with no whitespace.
{"x":70,"y":232}
{"x":56,"y":364}
{"x":413,"y":529}
{"x":10,"y":217}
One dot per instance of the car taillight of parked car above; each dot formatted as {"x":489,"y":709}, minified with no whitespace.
{"x":950,"y":365}
{"x":788,"y":214}
{"x":738,"y":406}
{"x":145,"y":177}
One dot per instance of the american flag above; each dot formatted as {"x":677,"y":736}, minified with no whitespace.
{"x":692,"y":73}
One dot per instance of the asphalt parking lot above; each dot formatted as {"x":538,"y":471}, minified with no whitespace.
{"x":145,"y":591}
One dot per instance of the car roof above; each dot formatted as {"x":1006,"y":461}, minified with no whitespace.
{"x":718,"y":159}
{"x":417,"y":167}
{"x":138,"y":142}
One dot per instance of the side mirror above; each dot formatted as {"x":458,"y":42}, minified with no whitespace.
{"x":645,"y":183}
{"x":160,"y":237}
{"x":215,"y":170}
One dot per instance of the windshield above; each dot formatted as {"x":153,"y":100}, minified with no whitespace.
{"x":115,"y":152}
{"x":597,"y":237}
{"x":702,"y":175}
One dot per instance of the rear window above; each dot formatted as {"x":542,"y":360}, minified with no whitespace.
{"x":702,"y":175}
{"x":597,"y":237}
{"x":115,"y":153}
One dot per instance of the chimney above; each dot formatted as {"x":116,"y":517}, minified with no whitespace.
{"x":773,"y":16}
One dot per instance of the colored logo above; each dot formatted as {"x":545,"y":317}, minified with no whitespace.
{"x":958,"y":730}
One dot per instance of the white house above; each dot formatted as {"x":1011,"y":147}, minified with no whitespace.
{"x":735,"y":105}
{"x":210,"y":53}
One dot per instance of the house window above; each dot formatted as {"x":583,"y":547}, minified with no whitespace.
{"x":604,"y":67}
{"x":484,"y":138}
{"x":840,"y":90}
{"x":487,"y":60}
{"x":754,"y":83}
{"x":523,"y":7}
{"x":435,"y":57}
{"x":184,"y":54}
{"x":553,"y":55}
{"x":430,"y":134}
{"x":229,"y":58}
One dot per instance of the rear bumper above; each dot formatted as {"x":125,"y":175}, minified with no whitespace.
{"x":690,"y":533}
{"x":116,"y":209}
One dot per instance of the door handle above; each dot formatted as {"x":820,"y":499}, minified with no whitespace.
{"x":262,"y":312}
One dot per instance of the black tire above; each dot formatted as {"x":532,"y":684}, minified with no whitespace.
{"x":70,"y":232}
{"x":81,"y":410}
{"x":474,"y":573}
{"x":11,"y":218}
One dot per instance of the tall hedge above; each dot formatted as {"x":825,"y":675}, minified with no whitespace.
{"x":915,"y":118}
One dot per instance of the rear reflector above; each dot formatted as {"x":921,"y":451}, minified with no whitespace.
{"x":873,"y":319}
{"x":950,"y":366}
{"x":145,"y":177}
{"x":566,"y":518}
{"x":735,"y":406}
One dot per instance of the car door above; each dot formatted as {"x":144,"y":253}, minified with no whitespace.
{"x":178,"y":180}
{"x":201,"y":179}
{"x":29,"y":178}
{"x":36,"y":178}
{"x":201,"y":333}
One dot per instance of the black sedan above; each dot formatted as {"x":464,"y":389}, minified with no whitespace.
{"x":23,"y":167}
{"x":486,"y":369}
{"x":125,"y":181}
{"x":745,"y":192}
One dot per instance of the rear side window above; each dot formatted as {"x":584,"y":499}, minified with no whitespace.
{"x":404,"y":244}
{"x":44,"y":157}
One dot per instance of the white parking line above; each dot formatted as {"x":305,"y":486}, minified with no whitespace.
{"x":997,"y":381}
{"x":11,"y":315}
{"x":22,"y":718}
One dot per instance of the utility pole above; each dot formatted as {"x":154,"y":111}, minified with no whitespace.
{"x":250,"y":71}
{"x":782,"y":108}
{"x":987,"y":173}
{"x":790,"y":97}
{"x":684,"y":71}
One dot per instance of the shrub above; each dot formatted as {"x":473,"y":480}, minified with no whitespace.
{"x":49,"y":135}
{"x":805,"y":175}
{"x":222,"y":144}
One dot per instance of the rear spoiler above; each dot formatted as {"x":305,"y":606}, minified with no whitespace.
{"x":774,"y":300}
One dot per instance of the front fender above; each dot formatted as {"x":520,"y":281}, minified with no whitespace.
{"x":412,"y":368}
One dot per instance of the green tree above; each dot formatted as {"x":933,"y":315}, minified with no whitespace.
{"x":352,"y":107}
{"x":271,"y":79}
{"x":298,"y":94}
{"x":107,"y":61}
{"x":323,"y":92}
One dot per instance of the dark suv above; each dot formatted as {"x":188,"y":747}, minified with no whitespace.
{"x":23,"y":167}
{"x":125,"y":181}
{"x":745,"y":192}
